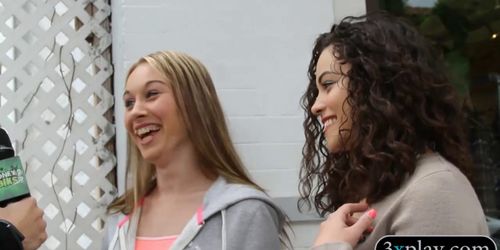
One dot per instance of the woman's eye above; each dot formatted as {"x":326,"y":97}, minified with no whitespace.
{"x":151,"y":93}
{"x":328,"y":83}
{"x":129,"y":103}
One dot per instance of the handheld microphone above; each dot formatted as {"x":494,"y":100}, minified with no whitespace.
{"x":6,"y":150}
{"x":13,"y":185}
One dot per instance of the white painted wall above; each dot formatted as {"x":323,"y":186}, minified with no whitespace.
{"x":257,"y":53}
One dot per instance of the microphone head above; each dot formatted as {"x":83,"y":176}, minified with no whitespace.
{"x":6,"y":150}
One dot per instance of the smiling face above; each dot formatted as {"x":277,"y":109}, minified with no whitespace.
{"x":151,"y":114}
{"x":330,"y":105}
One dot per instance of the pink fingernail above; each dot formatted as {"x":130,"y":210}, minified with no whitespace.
{"x":372,"y":213}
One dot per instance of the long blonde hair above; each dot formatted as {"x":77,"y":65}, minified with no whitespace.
{"x":205,"y":124}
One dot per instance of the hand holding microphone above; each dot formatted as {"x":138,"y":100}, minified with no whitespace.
{"x":21,"y":221}
{"x":13,"y":185}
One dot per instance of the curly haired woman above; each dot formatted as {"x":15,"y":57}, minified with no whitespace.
{"x":384,"y":136}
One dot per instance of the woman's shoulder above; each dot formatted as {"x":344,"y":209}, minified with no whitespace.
{"x":256,"y":213}
{"x":436,"y":179}
{"x":436,"y":199}
{"x":237,"y":197}
{"x":435,"y":185}
{"x":252,"y":205}
{"x":229,"y":193}
{"x":435,"y":170}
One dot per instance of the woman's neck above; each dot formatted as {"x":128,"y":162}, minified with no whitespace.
{"x":181,"y":174}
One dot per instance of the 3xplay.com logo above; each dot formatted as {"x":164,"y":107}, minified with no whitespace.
{"x":441,"y":242}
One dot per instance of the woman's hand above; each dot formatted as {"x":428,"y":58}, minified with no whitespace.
{"x":341,"y":226}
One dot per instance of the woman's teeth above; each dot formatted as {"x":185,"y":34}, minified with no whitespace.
{"x":328,"y":123}
{"x":145,"y":130}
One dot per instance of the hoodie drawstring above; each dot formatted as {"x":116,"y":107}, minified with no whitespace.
{"x":113,"y":241}
{"x":223,"y":233}
{"x":122,"y":238}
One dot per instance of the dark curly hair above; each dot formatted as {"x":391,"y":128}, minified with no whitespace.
{"x":402,"y":104}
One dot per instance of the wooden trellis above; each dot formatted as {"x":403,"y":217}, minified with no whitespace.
{"x":57,"y":105}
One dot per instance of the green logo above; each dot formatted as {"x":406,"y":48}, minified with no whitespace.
{"x":12,"y":179}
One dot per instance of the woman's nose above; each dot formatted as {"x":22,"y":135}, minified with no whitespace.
{"x":138,"y":109}
{"x":317,"y":106}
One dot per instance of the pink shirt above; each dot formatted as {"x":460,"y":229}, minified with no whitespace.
{"x":154,"y":243}
{"x":158,"y":243}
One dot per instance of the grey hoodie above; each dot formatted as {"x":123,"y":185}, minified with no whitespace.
{"x":234,"y":216}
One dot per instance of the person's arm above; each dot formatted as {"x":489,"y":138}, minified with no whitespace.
{"x":341,"y":231}
{"x":333,"y":246}
{"x":28,"y":219}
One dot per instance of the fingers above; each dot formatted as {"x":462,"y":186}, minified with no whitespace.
{"x":350,"y":220}
{"x":28,"y":201}
{"x":343,"y":217}
{"x":26,"y":205}
{"x":350,"y":208}
{"x":39,"y":220}
{"x":364,"y":222}
{"x":342,"y":226}
{"x":345,"y":213}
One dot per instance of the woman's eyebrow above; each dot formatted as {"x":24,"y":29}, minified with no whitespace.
{"x":326,"y":73}
{"x":146,"y":84}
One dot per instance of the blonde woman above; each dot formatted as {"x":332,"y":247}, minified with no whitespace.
{"x":189,"y":188}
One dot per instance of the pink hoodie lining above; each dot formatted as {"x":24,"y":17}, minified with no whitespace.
{"x":120,"y":224}
{"x":126,"y":218}
{"x":169,"y":237}
{"x":199,"y":215}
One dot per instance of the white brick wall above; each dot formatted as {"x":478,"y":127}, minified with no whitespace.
{"x":257,"y":53}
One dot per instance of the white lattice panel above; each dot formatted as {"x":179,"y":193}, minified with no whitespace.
{"x":55,"y":102}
